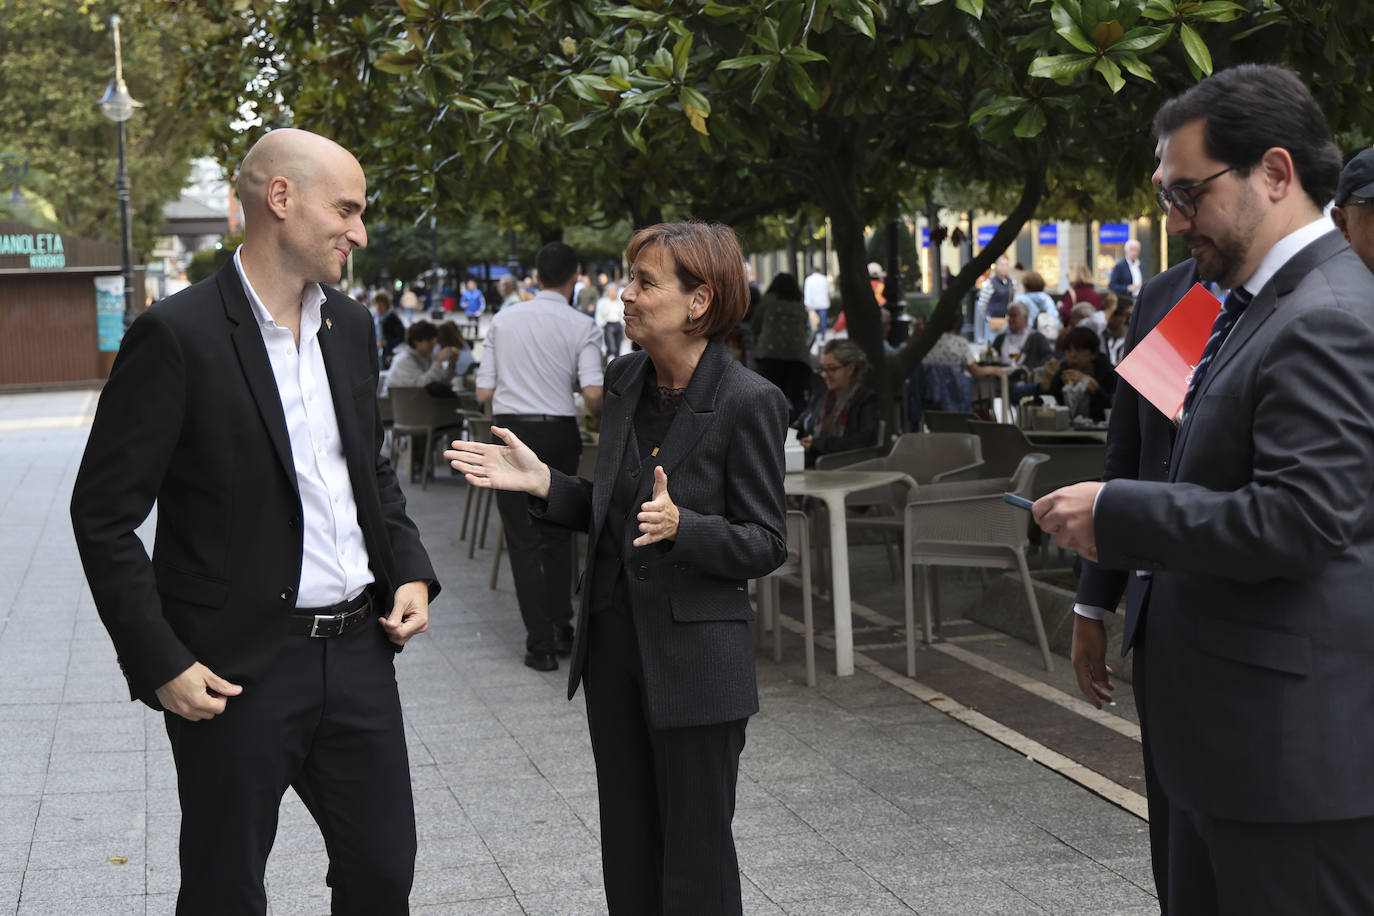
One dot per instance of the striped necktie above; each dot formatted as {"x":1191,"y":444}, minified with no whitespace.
{"x":1230,"y":313}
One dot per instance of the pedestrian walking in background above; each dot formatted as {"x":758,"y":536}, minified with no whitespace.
{"x":816,"y":294}
{"x":610,"y":317}
{"x":534,"y":355}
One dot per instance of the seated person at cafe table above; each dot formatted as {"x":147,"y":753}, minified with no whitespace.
{"x":1084,"y":382}
{"x":1020,"y":345}
{"x":418,"y":365}
{"x":847,"y":417}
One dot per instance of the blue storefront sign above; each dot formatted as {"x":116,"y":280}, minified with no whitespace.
{"x":985,"y":234}
{"x":1048,"y":234}
{"x":109,"y":312}
{"x":1113,"y":234}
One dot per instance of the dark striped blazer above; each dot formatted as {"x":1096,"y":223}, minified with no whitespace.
{"x":723,"y":455}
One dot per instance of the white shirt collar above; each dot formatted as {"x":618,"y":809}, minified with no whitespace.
{"x":551,"y":295}
{"x":312,"y":297}
{"x":1284,"y":250}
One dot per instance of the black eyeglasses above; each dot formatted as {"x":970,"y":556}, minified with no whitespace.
{"x":1357,"y":201}
{"x":1181,"y":195}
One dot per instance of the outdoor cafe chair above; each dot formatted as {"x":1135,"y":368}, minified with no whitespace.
{"x":967,"y":523}
{"x":926,"y":458}
{"x":1005,"y":444}
{"x":416,"y":413}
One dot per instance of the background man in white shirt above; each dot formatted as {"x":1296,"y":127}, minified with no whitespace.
{"x":285,"y":574}
{"x":1126,"y":277}
{"x":535,"y":353}
{"x":816,"y":296}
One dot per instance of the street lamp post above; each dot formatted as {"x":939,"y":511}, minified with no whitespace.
{"x":118,"y":106}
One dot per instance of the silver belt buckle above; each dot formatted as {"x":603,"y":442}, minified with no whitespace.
{"x":315,"y":626}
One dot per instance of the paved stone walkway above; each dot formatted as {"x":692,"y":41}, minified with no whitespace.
{"x":855,"y":797}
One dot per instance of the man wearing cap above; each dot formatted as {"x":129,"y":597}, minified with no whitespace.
{"x":1354,"y":210}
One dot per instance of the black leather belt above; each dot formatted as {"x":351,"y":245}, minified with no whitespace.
{"x":534,"y":418}
{"x":327,"y":622}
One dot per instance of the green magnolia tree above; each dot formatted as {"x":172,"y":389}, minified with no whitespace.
{"x":541,"y":114}
{"x":55,"y":60}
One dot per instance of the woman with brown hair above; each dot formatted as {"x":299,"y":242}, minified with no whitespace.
{"x":1081,"y":289}
{"x":686,"y":507}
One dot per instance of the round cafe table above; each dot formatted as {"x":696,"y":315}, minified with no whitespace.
{"x":831,"y":487}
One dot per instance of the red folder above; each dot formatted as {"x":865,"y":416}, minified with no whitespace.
{"x":1161,"y":365}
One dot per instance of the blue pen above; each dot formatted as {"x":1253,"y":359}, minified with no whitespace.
{"x":1019,"y":502}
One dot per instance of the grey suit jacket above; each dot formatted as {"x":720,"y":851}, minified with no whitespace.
{"x":724,"y":460}
{"x":1260,"y":633}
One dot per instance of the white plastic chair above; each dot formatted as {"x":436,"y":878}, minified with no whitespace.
{"x":968,"y":524}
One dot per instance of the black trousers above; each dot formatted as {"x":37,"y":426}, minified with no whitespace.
{"x":667,"y":796}
{"x":1234,"y":868}
{"x":540,"y":554}
{"x":1156,"y":800}
{"x":325,"y":721}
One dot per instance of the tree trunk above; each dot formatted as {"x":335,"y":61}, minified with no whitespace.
{"x":838,"y":191}
{"x":1031,"y":193}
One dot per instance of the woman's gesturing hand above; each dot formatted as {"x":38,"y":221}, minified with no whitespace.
{"x":658,"y":517}
{"x":502,"y":467}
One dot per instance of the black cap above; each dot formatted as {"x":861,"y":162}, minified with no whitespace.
{"x":1357,"y":179}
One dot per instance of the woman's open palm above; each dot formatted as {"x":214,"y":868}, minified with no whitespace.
{"x":512,"y":466}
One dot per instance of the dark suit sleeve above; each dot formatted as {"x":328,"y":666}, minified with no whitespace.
{"x":1099,"y":587}
{"x":1120,"y":280}
{"x":569,"y":504}
{"x":132,"y":440}
{"x":750,"y":539}
{"x":1311,"y":439}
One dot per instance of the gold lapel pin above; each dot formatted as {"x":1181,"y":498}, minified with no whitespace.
{"x":329,"y":323}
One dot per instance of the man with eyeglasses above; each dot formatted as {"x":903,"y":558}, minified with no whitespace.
{"x":1258,"y":544}
{"x":1354,"y":210}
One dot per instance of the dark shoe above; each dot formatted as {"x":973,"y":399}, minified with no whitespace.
{"x":563,"y":641}
{"x":541,"y":661}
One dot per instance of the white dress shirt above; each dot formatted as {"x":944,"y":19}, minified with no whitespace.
{"x":534,"y":354}
{"x":1282,"y":252}
{"x":334,"y":562}
{"x":816,"y":292}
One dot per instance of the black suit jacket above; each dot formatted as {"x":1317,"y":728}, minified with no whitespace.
{"x":724,"y":460}
{"x":1139,"y":441}
{"x":1120,"y":281}
{"x":191,"y":419}
{"x":1260,"y":636}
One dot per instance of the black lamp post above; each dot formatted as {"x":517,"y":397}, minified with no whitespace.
{"x":118,"y":106}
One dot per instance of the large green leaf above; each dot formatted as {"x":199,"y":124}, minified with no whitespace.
{"x":1067,"y":28}
{"x":998,"y":108}
{"x":1196,"y":49}
{"x":1217,"y":11}
{"x":1061,"y":66}
{"x":1145,"y":38}
{"x":1031,"y":123}
{"x":1111,"y":73}
{"x":973,"y":7}
{"x":1161,"y":10}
